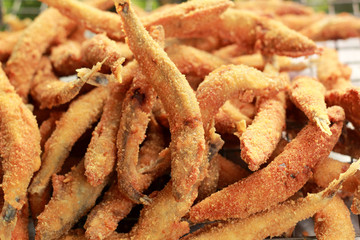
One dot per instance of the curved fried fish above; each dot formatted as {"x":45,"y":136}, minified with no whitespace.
{"x":285,"y":175}
{"x":238,"y":79}
{"x":19,"y":150}
{"x":214,"y":143}
{"x":107,"y":22}
{"x":275,"y":221}
{"x":49,"y":27}
{"x":81,"y":114}
{"x":101,"y":153}
{"x":260,"y":139}
{"x":333,"y":221}
{"x":231,"y":81}
{"x":349,"y":99}
{"x":309,"y":96}
{"x":224,"y":83}
{"x":187,"y":134}
{"x":137,"y":107}
{"x":72,"y":198}
{"x":256,"y":33}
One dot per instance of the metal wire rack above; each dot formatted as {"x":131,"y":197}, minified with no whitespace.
{"x":349,"y":53}
{"x":335,"y":6}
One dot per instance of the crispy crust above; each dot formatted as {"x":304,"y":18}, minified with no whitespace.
{"x":100,"y":47}
{"x":187,"y":133}
{"x":82,"y":113}
{"x":137,"y":107}
{"x":279,"y":180}
{"x":231,"y":81}
{"x":49,"y":27}
{"x":261,"y":138}
{"x":100,"y":155}
{"x":224,"y":83}
{"x":162,"y":219}
{"x":229,"y":118}
{"x":104,"y":218}
{"x":332,"y":73}
{"x":66,"y":57}
{"x":192,"y":61}
{"x":329,"y":169}
{"x":341,"y":26}
{"x":275,"y":221}
{"x":106,"y":22}
{"x":333,"y":221}
{"x":268,"y":36}
{"x":349,"y":99}
{"x":49,"y":91}
{"x":20,"y":152}
{"x":73,"y":197}
{"x":309,"y":96}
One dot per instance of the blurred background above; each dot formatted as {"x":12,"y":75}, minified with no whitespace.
{"x":30,"y":8}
